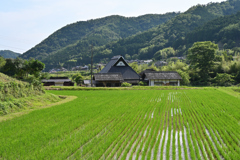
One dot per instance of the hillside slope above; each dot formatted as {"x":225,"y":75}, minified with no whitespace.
{"x":97,"y":32}
{"x":146,"y":44}
{"x":9,"y":54}
{"x":140,"y":45}
{"x":224,"y":30}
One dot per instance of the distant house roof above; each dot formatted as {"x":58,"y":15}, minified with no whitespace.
{"x":119,"y":65}
{"x":108,"y":77}
{"x":57,"y":79}
{"x":163,"y":75}
{"x":147,"y":70}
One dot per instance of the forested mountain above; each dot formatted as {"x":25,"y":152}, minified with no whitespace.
{"x":9,"y":54}
{"x":225,"y":31}
{"x":148,"y":44}
{"x":115,"y":35}
{"x":97,"y":32}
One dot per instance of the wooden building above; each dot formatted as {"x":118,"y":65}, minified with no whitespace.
{"x":116,"y":72}
{"x":57,"y":81}
{"x":161,"y":78}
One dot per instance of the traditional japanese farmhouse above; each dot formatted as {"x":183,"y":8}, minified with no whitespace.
{"x":57,"y":81}
{"x":116,"y":72}
{"x":161,"y":78}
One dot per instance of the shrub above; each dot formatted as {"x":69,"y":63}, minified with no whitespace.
{"x":125,"y":84}
{"x":141,"y":83}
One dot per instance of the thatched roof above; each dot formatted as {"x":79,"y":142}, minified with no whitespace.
{"x":163,"y":75}
{"x":127,"y":72}
{"x":108,"y":77}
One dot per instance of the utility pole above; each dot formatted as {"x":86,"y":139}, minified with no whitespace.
{"x":91,"y":65}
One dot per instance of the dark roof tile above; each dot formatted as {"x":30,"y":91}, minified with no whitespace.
{"x":108,"y":77}
{"x":163,"y":75}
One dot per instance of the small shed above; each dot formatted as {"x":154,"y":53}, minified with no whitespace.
{"x":162,"y":78}
{"x":57,"y":81}
{"x":87,"y":83}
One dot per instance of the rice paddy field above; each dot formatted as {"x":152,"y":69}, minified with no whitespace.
{"x":128,"y":124}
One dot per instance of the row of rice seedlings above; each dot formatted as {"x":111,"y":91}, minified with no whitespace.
{"x":123,"y":132}
{"x":150,"y":144}
{"x":141,"y":112}
{"x":159,"y":142}
{"x":144,"y":131}
{"x":130,"y":143}
{"x":116,"y":139}
{"x":189,"y":129}
{"x":175,"y":129}
{"x":107,"y":126}
{"x":48,"y":136}
{"x":157,"y":145}
{"x":129,"y":120}
{"x":87,"y":148}
{"x":231,"y":123}
{"x":199,"y":136}
{"x":152,"y":138}
{"x":164,"y":130}
{"x":179,"y":133}
{"x":195,"y":133}
{"x":133,"y":153}
{"x":142,"y":143}
{"x":183,"y":122}
{"x":230,"y":113}
{"x":227,"y":139}
{"x":91,"y":130}
{"x":119,"y":147}
{"x":142,"y":125}
{"x":213,"y":125}
{"x":166,"y":149}
{"x":102,"y":141}
{"x":219,"y":148}
{"x":213,"y":150}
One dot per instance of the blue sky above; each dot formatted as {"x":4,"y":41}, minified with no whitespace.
{"x":25,"y":23}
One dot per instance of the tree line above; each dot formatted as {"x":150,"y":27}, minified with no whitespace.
{"x":21,"y":69}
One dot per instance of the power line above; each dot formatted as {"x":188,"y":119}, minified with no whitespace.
{"x":15,"y":39}
{"x":12,"y":47}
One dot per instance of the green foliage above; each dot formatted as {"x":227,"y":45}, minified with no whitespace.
{"x":125,"y":84}
{"x":141,"y":83}
{"x":77,"y":78}
{"x":223,"y":79}
{"x":20,"y":68}
{"x":224,"y":30}
{"x":164,"y":53}
{"x":2,"y":62}
{"x":201,"y":56}
{"x":9,"y":54}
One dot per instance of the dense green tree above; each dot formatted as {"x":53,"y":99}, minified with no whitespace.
{"x":201,"y":56}
{"x":78,"y":78}
{"x":36,"y":67}
{"x":223,"y":79}
{"x":21,"y":68}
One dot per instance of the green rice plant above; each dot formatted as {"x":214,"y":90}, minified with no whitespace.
{"x":111,"y":124}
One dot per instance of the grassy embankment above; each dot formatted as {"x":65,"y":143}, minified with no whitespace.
{"x":16,"y":96}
